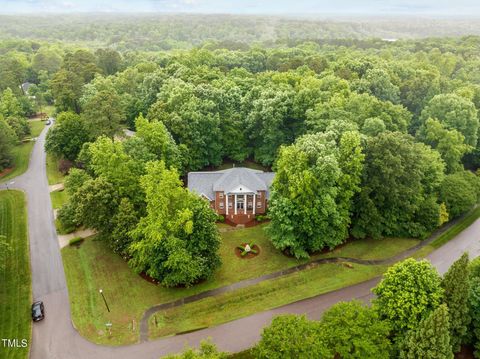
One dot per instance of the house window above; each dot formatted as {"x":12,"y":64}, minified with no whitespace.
{"x":259,"y":195}
{"x":220,"y":195}
{"x":259,"y":204}
{"x":250,"y":205}
{"x":230,"y":205}
{"x":221,"y":205}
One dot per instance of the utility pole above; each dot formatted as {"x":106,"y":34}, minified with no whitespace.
{"x":104,"y":300}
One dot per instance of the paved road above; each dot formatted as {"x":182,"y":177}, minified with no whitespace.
{"x":55,"y":337}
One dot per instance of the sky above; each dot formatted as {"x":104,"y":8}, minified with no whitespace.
{"x":278,"y":7}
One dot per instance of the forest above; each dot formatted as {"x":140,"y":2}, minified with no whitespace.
{"x":368,"y":138}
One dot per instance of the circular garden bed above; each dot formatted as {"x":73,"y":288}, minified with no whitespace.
{"x":247,"y":254}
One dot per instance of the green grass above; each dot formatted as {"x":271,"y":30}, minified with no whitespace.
{"x":263,"y":296}
{"x":21,"y":157}
{"x":36,"y":127}
{"x":58,"y":198}
{"x":53,"y":174}
{"x":93,"y":266}
{"x":15,"y":292}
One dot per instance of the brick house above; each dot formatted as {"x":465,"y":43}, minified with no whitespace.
{"x":238,"y":193}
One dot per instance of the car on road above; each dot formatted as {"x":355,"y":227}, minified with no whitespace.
{"x":38,"y":311}
{"x":49,"y":122}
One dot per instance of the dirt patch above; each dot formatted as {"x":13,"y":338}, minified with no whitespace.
{"x":148,"y":278}
{"x":249,"y":255}
{"x":6,"y":171}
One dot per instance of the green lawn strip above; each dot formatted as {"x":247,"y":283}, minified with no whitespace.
{"x":58,"y":198}
{"x":450,"y":233}
{"x":53,"y":174}
{"x":36,"y":127}
{"x":15,"y":288}
{"x":111,"y":273}
{"x":262,"y":296}
{"x":21,"y":157}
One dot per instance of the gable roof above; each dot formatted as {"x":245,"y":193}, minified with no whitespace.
{"x":207,"y":183}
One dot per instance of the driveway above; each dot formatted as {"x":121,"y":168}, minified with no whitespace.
{"x":56,"y":338}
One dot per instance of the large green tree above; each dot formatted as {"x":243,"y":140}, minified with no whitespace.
{"x":456,"y":284}
{"x":431,"y":340}
{"x":399,"y":188}
{"x":311,"y":200}
{"x":177,"y":241}
{"x":408,"y":292}
{"x":355,"y":331}
{"x":7,"y":139}
{"x":460,"y":192}
{"x":292,"y":336}
{"x":67,"y":137}
{"x":454,"y":112}
{"x":103,"y":114}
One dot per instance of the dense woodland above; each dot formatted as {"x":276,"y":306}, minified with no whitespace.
{"x":368,"y":138}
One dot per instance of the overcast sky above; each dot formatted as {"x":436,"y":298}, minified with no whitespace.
{"x":347,"y":7}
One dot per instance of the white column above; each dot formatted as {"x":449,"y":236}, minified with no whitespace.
{"x":227,"y":203}
{"x":235,"y":203}
{"x":244,"y":204}
{"x":254,"y":202}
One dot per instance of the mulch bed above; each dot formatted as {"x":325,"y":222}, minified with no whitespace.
{"x":148,"y":278}
{"x":6,"y":171}
{"x":250,"y":255}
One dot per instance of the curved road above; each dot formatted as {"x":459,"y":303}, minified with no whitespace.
{"x":56,"y":338}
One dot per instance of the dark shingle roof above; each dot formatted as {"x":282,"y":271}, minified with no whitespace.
{"x":207,"y":183}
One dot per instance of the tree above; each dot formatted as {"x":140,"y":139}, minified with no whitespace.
{"x":66,"y":87}
{"x":450,"y":143}
{"x":7,"y":139}
{"x":431,"y":340}
{"x":10,"y":105}
{"x":67,"y":137}
{"x":108,"y":60}
{"x":474,"y":313}
{"x":124,"y":221}
{"x":460,"y":191}
{"x":311,"y":195}
{"x":207,"y":351}
{"x":177,"y":241}
{"x":408,"y":292}
{"x":103,"y":114}
{"x":107,"y":158}
{"x":457,"y":290}
{"x":352,"y":330}
{"x":454,"y":112}
{"x":292,"y":336}
{"x":75,"y":179}
{"x":94,"y":205}
{"x":190,"y":114}
{"x":158,"y":141}
{"x":399,"y":188}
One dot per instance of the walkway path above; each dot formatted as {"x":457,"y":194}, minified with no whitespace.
{"x":56,"y":338}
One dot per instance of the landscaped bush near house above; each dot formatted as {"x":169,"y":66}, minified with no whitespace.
{"x":66,"y":218}
{"x":75,"y":241}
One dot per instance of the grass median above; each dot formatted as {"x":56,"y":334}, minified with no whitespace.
{"x":15,"y":288}
{"x":92,"y":266}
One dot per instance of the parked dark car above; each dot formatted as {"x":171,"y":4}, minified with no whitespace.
{"x":38,"y":311}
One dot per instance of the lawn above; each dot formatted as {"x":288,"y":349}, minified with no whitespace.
{"x":36,"y":127}
{"x":21,"y":157}
{"x":53,"y":174}
{"x":15,"y":292}
{"x":93,"y":266}
{"x":58,"y":198}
